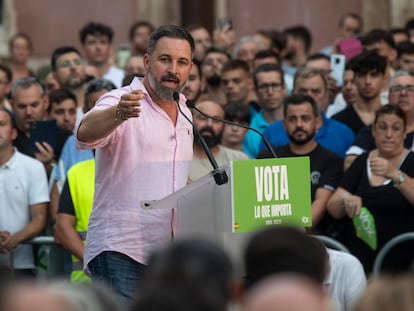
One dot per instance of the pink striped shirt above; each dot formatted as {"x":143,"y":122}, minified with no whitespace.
{"x":145,"y":158}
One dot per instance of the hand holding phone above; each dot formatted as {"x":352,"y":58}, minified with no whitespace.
{"x":42,"y":132}
{"x":338,"y":68}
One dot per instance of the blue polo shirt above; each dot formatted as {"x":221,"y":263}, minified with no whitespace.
{"x":251,"y":143}
{"x":333,"y":135}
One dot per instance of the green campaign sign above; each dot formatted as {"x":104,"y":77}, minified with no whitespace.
{"x":271,"y":192}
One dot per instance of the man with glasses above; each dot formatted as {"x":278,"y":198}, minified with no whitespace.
{"x":69,"y":71}
{"x":270,"y":90}
{"x":401,"y":93}
{"x":333,"y":135}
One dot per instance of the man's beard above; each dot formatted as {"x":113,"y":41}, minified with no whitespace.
{"x":290,"y":55}
{"x":214,"y":80}
{"x":73,"y":84}
{"x":301,"y":141}
{"x":211,"y":140}
{"x":162,"y":92}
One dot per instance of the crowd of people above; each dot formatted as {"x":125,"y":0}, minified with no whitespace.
{"x":121,"y":134}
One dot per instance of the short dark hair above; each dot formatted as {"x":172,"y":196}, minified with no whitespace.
{"x":396,"y":30}
{"x":139,"y":24}
{"x":217,"y":49}
{"x":301,"y":32}
{"x":405,"y":47}
{"x":58,"y":96}
{"x":377,"y":36}
{"x":267,"y":53}
{"x":234,"y":64}
{"x":197,"y":63}
{"x":11,"y":115}
{"x":284,"y":250}
{"x":170,"y":31}
{"x":268,"y":68}
{"x":188,"y":274}
{"x":299,"y":99}
{"x":367,"y":61}
{"x":391,"y":110}
{"x":318,"y":56}
{"x":6,"y":69}
{"x":58,"y":52}
{"x":409,"y":24}
{"x":237,"y":111}
{"x":95,"y":29}
{"x":278,"y":40}
{"x":97,"y":85}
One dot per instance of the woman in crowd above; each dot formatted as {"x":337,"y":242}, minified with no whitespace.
{"x":381,"y":181}
{"x":20,"y":49}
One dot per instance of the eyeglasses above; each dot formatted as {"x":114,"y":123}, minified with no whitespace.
{"x":68,"y":63}
{"x":273,"y":86}
{"x":400,"y":88}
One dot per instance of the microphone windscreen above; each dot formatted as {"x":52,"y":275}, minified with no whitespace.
{"x":176,"y":96}
{"x":190,"y":104}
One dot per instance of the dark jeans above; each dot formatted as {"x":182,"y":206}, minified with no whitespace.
{"x":119,"y":271}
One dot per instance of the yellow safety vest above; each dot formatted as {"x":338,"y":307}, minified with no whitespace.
{"x":81,"y":179}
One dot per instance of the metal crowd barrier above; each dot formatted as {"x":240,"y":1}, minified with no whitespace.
{"x":48,"y":260}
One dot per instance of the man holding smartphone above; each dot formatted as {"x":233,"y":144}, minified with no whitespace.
{"x":29,"y":103}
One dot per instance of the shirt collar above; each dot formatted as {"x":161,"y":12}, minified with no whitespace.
{"x":12,"y":162}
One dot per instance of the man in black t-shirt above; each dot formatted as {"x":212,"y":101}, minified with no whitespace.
{"x":301,"y":121}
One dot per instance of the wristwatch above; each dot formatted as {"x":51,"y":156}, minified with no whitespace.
{"x":400,"y":179}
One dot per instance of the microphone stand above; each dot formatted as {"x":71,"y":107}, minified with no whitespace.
{"x":191,"y":105}
{"x":220,"y":176}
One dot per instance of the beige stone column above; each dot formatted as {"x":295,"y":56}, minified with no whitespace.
{"x":376,"y":14}
{"x":159,"y":12}
{"x":401,"y":11}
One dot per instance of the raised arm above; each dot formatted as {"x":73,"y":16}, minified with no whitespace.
{"x":98,"y":124}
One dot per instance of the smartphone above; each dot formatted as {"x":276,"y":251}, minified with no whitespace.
{"x":338,"y":68}
{"x":42,"y":131}
{"x":122,"y":55}
{"x":222,"y":22}
{"x":350,"y":47}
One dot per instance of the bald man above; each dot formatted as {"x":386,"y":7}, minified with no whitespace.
{"x":211,"y":131}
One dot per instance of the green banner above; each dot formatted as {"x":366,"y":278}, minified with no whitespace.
{"x":270,"y":192}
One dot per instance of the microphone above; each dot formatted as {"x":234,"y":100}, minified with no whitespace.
{"x":220,"y":176}
{"x":190,"y":104}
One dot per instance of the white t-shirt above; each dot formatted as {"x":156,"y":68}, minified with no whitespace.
{"x":346,"y":280}
{"x":23,"y":182}
{"x":115,"y":75}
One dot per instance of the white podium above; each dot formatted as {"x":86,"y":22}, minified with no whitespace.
{"x":204,"y":210}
